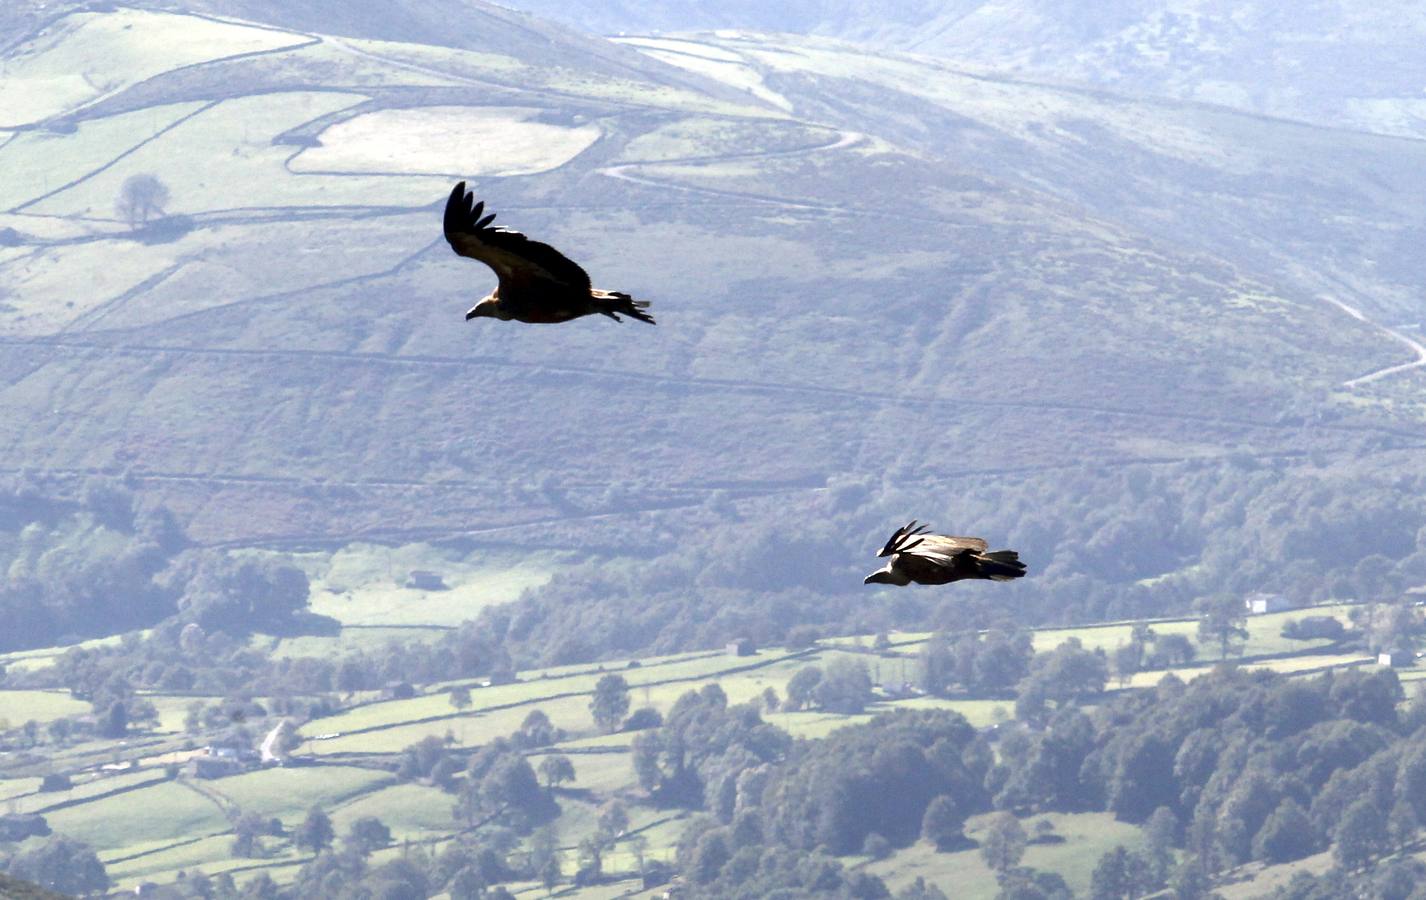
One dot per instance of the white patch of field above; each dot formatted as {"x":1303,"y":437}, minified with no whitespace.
{"x":367,"y":584}
{"x":486,"y":141}
{"x":735,"y":72}
{"x":224,"y":158}
{"x":84,"y":57}
{"x":675,"y":45}
{"x":50,"y":160}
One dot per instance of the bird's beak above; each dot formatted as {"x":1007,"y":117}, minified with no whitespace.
{"x":473,"y":313}
{"x":872,"y":579}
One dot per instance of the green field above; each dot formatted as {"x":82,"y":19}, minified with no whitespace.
{"x":19,"y":707}
{"x":164,"y":812}
{"x":287,"y":793}
{"x":1087,"y":836}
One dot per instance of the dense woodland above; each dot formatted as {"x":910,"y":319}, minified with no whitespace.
{"x":1147,"y":542}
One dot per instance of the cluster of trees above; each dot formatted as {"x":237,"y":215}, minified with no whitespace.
{"x":775,"y":827}
{"x":844,"y":687}
{"x":59,"y":864}
{"x":97,"y":563}
{"x":965,"y":662}
{"x":697,"y":757}
{"x":1234,"y":766}
{"x":1136,"y":543}
{"x":81,"y":566}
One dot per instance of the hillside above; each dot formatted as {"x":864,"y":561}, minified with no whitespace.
{"x":886,"y":287}
{"x":1333,"y":63}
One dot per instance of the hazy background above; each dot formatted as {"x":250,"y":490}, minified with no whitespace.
{"x":1133,"y":288}
{"x":303,"y":579}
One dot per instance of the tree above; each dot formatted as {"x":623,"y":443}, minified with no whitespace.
{"x":116,"y":720}
{"x":1360,"y":835}
{"x":315,"y":833}
{"x":1004,"y":843}
{"x":1110,"y":879}
{"x":556,"y":769}
{"x":591,"y":860}
{"x":460,"y":697}
{"x":610,"y":702}
{"x":613,"y":821}
{"x":920,"y":890}
{"x":769,"y":699}
{"x":367,"y":834}
{"x":511,"y":782}
{"x":1160,"y":836}
{"x":1171,"y":650}
{"x":246,"y":830}
{"x":60,"y":864}
{"x":801,"y":686}
{"x":943,"y":825}
{"x":1061,"y":677}
{"x":935,"y":666}
{"x":1221,"y":621}
{"x":544,"y":855}
{"x":643,"y":718}
{"x":1031,"y":884}
{"x":141,"y":197}
{"x":1286,"y":835}
{"x":1402,"y":825}
{"x":845,"y":686}
{"x":537,"y":730}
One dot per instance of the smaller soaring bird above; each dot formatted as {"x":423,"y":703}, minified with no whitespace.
{"x":538,"y":283}
{"x":923,"y":558}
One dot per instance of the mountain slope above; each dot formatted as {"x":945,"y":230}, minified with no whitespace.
{"x":883,"y":285}
{"x":1333,"y":62}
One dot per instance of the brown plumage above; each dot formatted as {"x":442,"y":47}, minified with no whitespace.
{"x":922,"y":558}
{"x":538,"y":284}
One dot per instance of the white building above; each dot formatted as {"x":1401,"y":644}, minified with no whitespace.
{"x":1260,"y":603}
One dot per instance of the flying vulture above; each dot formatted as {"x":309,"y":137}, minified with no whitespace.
{"x":923,"y":558}
{"x":538,"y":283}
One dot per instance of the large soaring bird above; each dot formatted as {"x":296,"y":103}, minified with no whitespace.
{"x":538,"y":283}
{"x":923,"y":558}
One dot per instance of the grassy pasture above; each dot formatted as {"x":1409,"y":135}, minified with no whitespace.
{"x":51,"y":160}
{"x":232,"y":143}
{"x":19,"y":707}
{"x":602,"y":773}
{"x":168,"y":811}
{"x":225,"y":263}
{"x":411,"y":811}
{"x":288,"y":793}
{"x":85,"y":56}
{"x":363,"y":584}
{"x":14,"y":787}
{"x":91,"y":786}
{"x":1087,"y":836}
{"x":201,"y":854}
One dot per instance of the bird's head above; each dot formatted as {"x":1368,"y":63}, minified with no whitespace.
{"x":487,"y":308}
{"x":883,"y":576}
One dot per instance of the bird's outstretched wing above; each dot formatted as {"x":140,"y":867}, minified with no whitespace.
{"x":517,"y":260}
{"x":914,"y":538}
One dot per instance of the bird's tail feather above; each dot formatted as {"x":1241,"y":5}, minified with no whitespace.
{"x":614,"y":304}
{"x":1002,"y":565}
